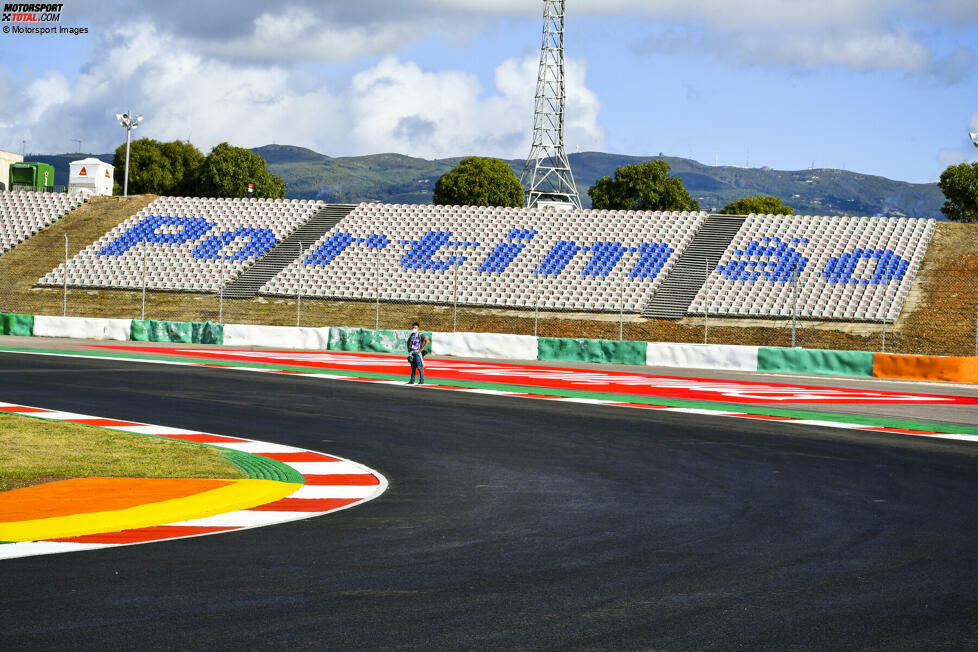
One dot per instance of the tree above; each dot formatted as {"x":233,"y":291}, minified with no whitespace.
{"x":159,"y":168}
{"x":959,"y":183}
{"x":642,"y":187}
{"x":477,"y":181}
{"x":759,"y":204}
{"x":227,"y":171}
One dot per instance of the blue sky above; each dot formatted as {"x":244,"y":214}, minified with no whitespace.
{"x":887,"y":88}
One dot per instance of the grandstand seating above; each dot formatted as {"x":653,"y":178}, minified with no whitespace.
{"x":22,"y":214}
{"x":190,"y":244}
{"x":577,"y":260}
{"x":848,"y":268}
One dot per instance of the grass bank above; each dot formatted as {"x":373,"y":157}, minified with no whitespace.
{"x":33,"y":451}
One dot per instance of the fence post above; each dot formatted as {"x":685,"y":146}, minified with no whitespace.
{"x":220,"y":296}
{"x":536,"y":303}
{"x":298,"y":292}
{"x":64,"y":293}
{"x":142,"y":312}
{"x":377,"y":288}
{"x":455,"y":304}
{"x":621,"y":303}
{"x":706,"y":303}
{"x":794,"y":302}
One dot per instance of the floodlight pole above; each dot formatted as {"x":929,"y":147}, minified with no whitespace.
{"x":547,"y":174}
{"x":125,"y":181}
{"x":130,"y":122}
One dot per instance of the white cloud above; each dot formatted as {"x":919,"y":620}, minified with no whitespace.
{"x":391,"y":106}
{"x":867,"y":51}
{"x":948,"y":157}
{"x":859,"y":34}
{"x":399,"y":107}
{"x":302,"y":34}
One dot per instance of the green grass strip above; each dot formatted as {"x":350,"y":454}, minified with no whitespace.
{"x":258,"y":467}
{"x":744,"y":408}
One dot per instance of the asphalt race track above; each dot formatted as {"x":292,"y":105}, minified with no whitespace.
{"x":519,"y":523}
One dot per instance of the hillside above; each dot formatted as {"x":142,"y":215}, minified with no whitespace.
{"x":403,"y":179}
{"x":396,"y":178}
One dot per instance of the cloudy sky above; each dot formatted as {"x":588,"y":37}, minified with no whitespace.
{"x":880,"y":87}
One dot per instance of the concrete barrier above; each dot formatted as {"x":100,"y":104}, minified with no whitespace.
{"x":89,"y":328}
{"x":485,"y":345}
{"x":12,"y":323}
{"x":815,"y":361}
{"x":702,"y":356}
{"x":584,"y":350}
{"x":926,"y":367}
{"x":282,"y":337}
{"x":185,"y":332}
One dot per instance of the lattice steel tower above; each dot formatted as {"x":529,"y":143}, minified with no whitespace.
{"x":547,"y":176}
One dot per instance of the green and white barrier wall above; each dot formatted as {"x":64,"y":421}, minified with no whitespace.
{"x":862,"y":364}
{"x":188,"y":332}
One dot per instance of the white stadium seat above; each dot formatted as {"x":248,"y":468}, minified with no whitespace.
{"x":22,"y":214}
{"x":188,"y":243}
{"x":505,"y":256}
{"x":848,"y":268}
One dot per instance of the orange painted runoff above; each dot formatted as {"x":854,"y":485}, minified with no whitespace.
{"x":85,"y":495}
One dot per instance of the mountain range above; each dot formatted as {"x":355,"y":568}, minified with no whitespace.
{"x":396,"y":178}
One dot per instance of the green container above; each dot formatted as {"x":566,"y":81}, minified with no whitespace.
{"x":32,"y":174}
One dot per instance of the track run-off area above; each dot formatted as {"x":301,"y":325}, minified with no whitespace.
{"x":719,"y":512}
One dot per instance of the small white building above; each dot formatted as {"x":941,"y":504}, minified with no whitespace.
{"x":6,"y":158}
{"x":91,"y":176}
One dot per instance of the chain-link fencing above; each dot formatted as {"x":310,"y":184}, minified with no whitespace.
{"x":939,"y":316}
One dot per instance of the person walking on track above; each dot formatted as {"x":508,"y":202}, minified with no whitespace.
{"x":417,"y":342}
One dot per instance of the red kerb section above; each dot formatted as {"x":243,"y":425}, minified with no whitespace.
{"x":142,"y":535}
{"x":345,"y":479}
{"x":299,"y":457}
{"x":203,"y":438}
{"x":103,"y":423}
{"x":305,"y":505}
